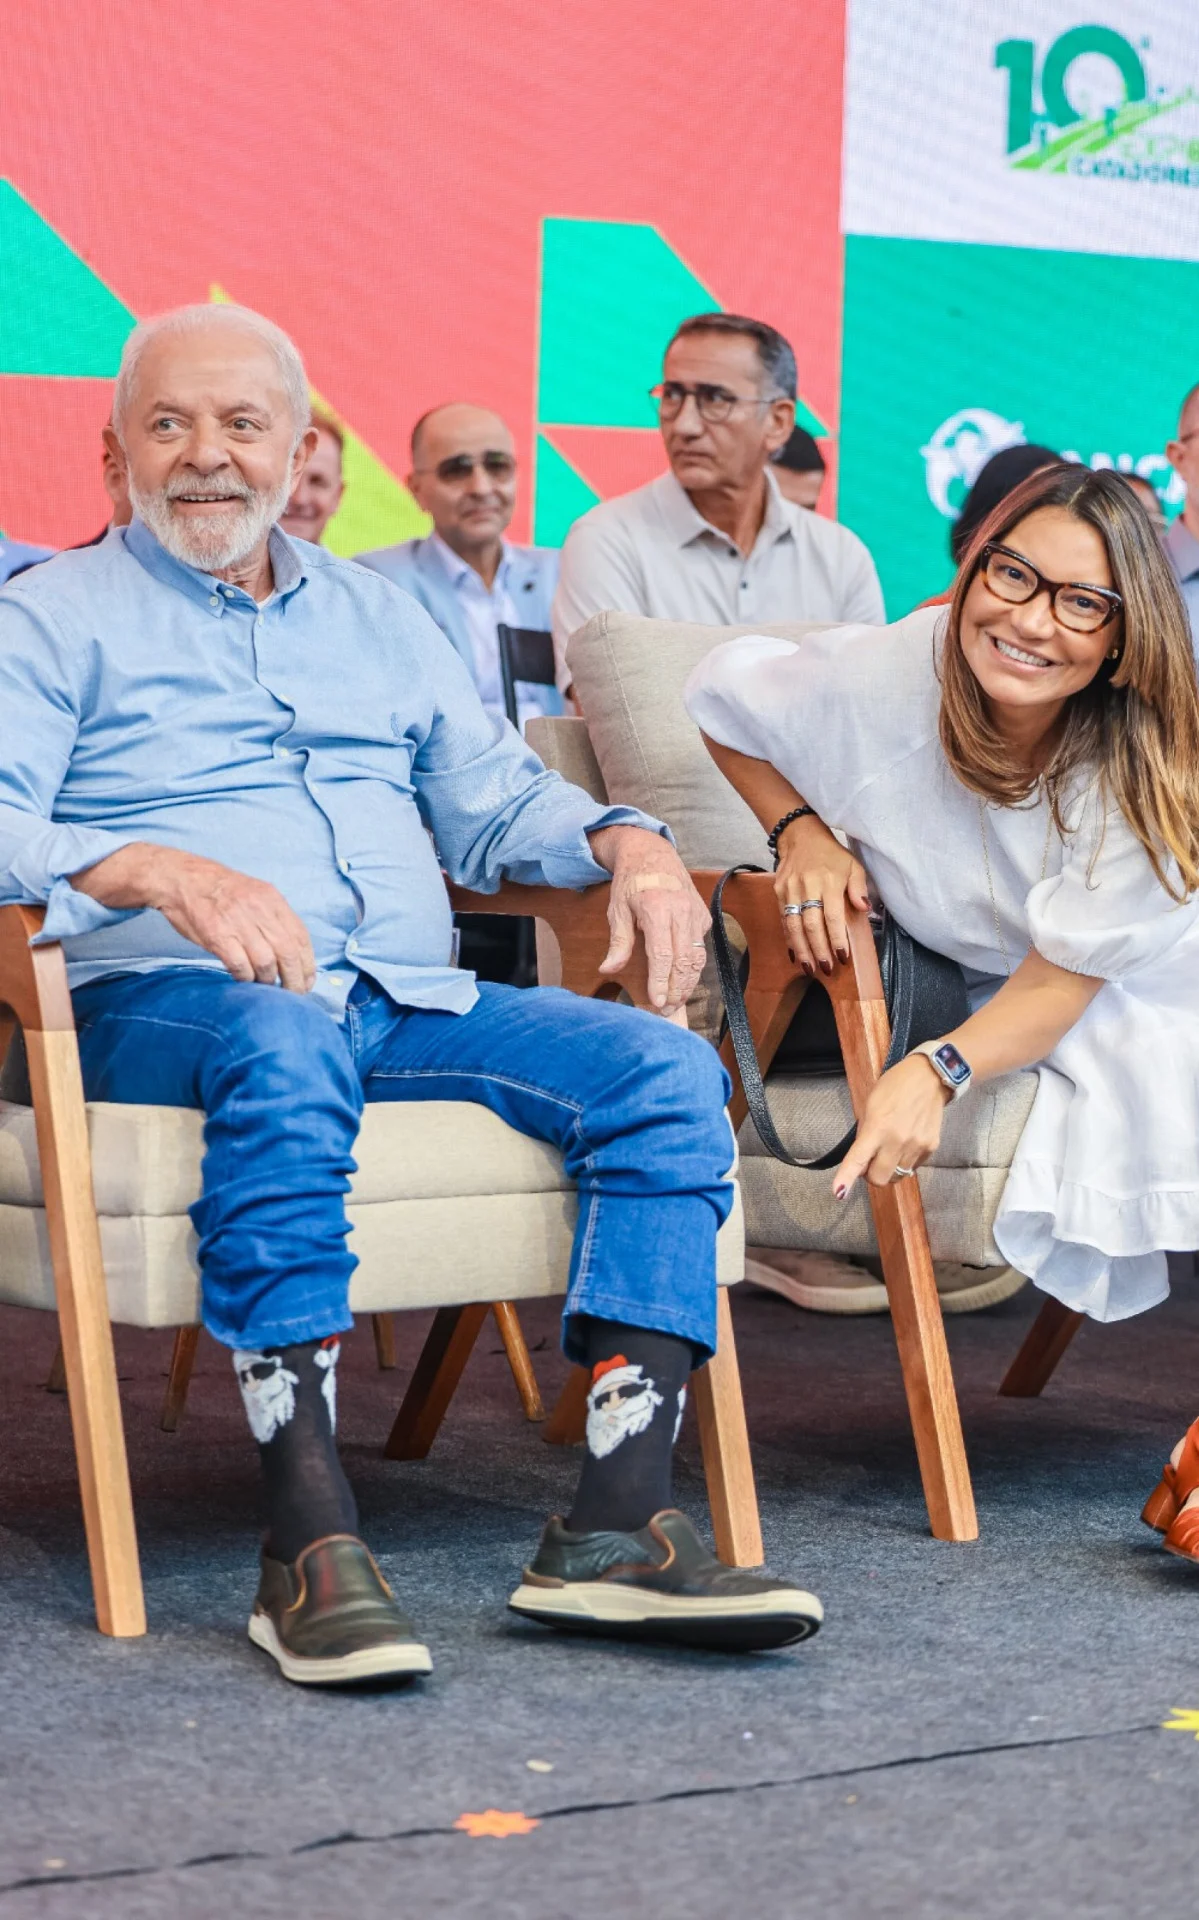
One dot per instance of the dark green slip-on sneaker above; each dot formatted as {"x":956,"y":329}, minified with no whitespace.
{"x":660,"y":1584}
{"x":331,"y":1619}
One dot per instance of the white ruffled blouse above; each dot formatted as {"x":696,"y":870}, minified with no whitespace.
{"x":1106,"y":1175}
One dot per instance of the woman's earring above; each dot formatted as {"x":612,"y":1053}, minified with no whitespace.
{"x":1114,"y":654}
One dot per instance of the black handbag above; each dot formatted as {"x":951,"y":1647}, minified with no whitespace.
{"x":925,"y":995}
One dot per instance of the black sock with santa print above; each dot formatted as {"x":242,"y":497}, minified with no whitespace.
{"x":634,"y":1411}
{"x":290,"y":1397}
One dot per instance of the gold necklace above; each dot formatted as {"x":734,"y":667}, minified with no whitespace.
{"x":982,"y":828}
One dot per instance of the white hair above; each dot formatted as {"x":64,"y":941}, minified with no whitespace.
{"x":195,"y":319}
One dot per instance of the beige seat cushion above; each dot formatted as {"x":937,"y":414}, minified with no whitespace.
{"x":961,"y":1186}
{"x":449,"y":1204}
{"x":629,"y":674}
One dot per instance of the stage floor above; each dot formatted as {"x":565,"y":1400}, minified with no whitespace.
{"x":976,"y":1732}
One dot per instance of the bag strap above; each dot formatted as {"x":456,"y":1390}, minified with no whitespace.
{"x":897,"y":965}
{"x":744,"y":1050}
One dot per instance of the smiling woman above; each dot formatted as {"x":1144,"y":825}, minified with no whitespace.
{"x":1016,"y":778}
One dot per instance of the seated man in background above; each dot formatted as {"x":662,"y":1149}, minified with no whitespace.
{"x":465,"y":573}
{"x":714,"y":540}
{"x":799,"y":468}
{"x":317,"y":493}
{"x":222,"y":757}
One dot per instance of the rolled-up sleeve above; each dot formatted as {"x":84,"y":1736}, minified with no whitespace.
{"x":39,"y":722}
{"x":1106,"y":913}
{"x":495,"y":812}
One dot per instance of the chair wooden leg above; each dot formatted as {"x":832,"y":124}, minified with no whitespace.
{"x":568,"y":1422}
{"x":1044,"y":1344}
{"x":728,"y":1469}
{"x":437,"y":1373}
{"x":519,"y":1359}
{"x":384,"y":1328}
{"x":183,"y":1359}
{"x":56,"y":1379}
{"x":86,"y":1330}
{"x":924,"y":1359}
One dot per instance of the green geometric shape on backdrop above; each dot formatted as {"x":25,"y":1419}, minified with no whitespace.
{"x":562,"y":495}
{"x":612,"y":293}
{"x":58,"y":320}
{"x":1087,"y":353}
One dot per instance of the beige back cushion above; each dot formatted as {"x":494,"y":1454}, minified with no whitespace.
{"x":629,"y":674}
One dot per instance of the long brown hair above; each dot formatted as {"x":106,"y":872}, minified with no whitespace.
{"x":1136,"y":723}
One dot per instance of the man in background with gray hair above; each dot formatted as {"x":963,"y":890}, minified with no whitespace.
{"x":714,"y":540}
{"x":222,"y":756}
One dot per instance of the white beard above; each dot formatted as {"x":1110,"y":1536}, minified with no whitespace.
{"x":211,"y":546}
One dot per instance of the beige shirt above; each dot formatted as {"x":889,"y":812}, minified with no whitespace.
{"x":651,"y":552}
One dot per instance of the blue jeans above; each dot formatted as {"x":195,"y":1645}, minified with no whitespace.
{"x":635,"y":1106}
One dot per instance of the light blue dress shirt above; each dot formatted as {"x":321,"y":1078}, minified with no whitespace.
{"x":16,"y":554}
{"x":325,"y":741}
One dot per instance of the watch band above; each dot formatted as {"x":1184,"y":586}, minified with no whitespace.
{"x":953,"y":1071}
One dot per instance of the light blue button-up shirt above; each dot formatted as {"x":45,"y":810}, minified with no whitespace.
{"x":325,"y":741}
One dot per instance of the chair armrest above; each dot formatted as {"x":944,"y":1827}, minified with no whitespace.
{"x":579,"y":923}
{"x":33,"y":980}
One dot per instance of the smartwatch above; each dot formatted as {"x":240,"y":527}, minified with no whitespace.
{"x":948,"y":1064}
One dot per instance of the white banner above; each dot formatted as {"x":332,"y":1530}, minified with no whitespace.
{"x":1014,"y":123}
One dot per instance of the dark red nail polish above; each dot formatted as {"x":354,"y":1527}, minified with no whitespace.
{"x":826,"y":966}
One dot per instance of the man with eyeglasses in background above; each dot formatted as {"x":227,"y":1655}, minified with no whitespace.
{"x":465,"y":573}
{"x":1182,"y":541}
{"x":714,"y":540}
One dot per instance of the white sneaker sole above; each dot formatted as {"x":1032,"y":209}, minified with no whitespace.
{"x":604,"y":1600}
{"x":369,"y":1663}
{"x":740,"y":1623}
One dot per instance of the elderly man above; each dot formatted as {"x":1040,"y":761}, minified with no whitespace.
{"x":714,"y":540}
{"x":224,"y":761}
{"x":1182,"y":541}
{"x":465,"y":573}
{"x":317,"y":493}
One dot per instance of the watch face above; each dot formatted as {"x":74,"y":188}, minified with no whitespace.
{"x":951,"y":1064}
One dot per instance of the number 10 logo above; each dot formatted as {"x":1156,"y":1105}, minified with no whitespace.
{"x":1019,"y":57}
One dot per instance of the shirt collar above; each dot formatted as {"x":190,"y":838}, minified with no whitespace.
{"x":203,"y":588}
{"x":1183,"y":549}
{"x":457,"y":568}
{"x":686,"y":523}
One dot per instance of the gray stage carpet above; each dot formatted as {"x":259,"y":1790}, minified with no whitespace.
{"x":977,"y":1732}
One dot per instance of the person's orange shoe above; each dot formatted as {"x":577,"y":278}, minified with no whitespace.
{"x":1166,"y":1509}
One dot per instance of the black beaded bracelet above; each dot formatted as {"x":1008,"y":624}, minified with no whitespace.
{"x":772,"y":838}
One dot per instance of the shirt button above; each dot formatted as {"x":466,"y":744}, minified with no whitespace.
{"x":284,"y":753}
{"x":351,"y":946}
{"x":214,"y":599}
{"x":343,"y":866}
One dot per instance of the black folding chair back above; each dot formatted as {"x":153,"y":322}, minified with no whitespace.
{"x":526,"y":653}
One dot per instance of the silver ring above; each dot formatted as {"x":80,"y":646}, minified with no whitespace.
{"x":801,"y":906}
{"x":903,"y":1173}
{"x":700,"y":943}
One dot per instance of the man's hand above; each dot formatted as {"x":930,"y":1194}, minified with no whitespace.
{"x":652,"y":895}
{"x":246,"y":923}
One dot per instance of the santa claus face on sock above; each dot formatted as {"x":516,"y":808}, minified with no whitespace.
{"x":268,"y":1391}
{"x":621,"y":1403}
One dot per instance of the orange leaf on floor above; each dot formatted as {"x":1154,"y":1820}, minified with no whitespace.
{"x":494,"y":1825}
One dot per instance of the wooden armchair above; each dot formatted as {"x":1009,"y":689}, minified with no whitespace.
{"x":499,"y":1230}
